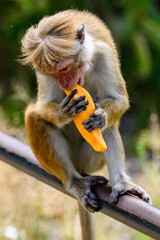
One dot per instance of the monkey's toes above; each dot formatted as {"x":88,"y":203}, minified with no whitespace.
{"x":82,"y":189}
{"x":88,"y":198}
{"x":124,"y":187}
{"x":114,"y":196}
{"x":144,"y":196}
{"x":90,"y":201}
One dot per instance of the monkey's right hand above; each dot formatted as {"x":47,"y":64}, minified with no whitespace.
{"x":69,"y":108}
{"x":81,"y":189}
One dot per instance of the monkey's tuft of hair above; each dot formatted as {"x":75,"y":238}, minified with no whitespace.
{"x":46,"y":44}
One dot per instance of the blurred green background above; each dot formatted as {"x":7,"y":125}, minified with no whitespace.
{"x":135,"y":26}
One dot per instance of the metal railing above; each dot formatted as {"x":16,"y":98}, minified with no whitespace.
{"x":129,"y":210}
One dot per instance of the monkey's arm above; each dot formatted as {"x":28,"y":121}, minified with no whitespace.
{"x":108,"y":112}
{"x":42,"y":122}
{"x":114,"y":107}
{"x":60,"y":114}
{"x":42,"y":136}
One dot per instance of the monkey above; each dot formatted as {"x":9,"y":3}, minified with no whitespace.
{"x":68,"y":48}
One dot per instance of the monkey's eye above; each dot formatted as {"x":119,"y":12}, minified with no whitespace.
{"x":63,"y":69}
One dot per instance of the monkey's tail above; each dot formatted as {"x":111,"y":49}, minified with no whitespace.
{"x":86,"y":219}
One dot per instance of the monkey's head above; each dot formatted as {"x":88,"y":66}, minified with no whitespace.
{"x":55,"y":46}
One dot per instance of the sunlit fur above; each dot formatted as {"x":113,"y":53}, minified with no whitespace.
{"x":54,"y":139}
{"x":48,"y":43}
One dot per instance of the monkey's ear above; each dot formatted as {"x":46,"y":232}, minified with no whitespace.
{"x":80,"y":33}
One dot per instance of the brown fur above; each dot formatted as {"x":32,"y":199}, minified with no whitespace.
{"x":49,"y":42}
{"x":114,"y":111}
{"x":55,"y":141}
{"x":38,"y":129}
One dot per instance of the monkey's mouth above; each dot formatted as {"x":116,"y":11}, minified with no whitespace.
{"x":81,"y":81}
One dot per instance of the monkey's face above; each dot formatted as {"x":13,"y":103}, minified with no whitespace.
{"x":56,"y":47}
{"x":69,"y":73}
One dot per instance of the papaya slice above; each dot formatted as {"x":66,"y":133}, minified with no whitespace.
{"x":94,"y":138}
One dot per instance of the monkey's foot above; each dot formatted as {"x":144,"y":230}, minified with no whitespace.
{"x":81,"y":188}
{"x":123,"y":187}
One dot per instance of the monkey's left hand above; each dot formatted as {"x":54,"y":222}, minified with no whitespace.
{"x":97,"y":120}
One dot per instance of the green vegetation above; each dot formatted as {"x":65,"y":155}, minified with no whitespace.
{"x":135,"y":26}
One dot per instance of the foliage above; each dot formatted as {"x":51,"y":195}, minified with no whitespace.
{"x":148,"y":140}
{"x":135,"y":26}
{"x":137,"y":31}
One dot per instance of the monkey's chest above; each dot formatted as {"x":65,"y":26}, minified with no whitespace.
{"x":93,"y":92}
{"x":72,"y":135}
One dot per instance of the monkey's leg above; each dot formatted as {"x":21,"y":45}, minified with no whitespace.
{"x":55,"y":154}
{"x":88,"y":160}
{"x":53,"y":151}
{"x":118,"y":179}
{"x":72,"y":180}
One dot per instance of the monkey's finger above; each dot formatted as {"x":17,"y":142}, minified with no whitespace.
{"x":81,"y":104}
{"x":90,"y":128}
{"x":73,"y":105}
{"x":97,"y":117}
{"x":85,"y":122}
{"x":75,"y":102}
{"x":69,"y":97}
{"x":80,"y":110}
{"x":97,"y":124}
{"x":88,"y":122}
{"x":73,"y":109}
{"x":94,"y":119}
{"x":91,"y":202}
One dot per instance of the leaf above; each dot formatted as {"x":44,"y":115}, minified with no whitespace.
{"x":142,"y":54}
{"x":152,"y":29}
